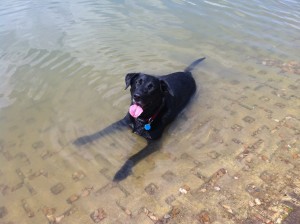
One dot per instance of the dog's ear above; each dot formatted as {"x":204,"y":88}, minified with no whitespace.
{"x":129,"y":78}
{"x":165,"y":88}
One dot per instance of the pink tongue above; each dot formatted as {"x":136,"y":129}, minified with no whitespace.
{"x":135,"y":110}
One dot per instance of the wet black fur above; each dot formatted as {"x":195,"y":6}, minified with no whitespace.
{"x":165,"y":96}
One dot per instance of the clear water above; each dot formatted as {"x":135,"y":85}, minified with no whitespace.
{"x":62,"y":69}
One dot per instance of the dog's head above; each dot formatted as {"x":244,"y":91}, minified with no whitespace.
{"x":146,"y":90}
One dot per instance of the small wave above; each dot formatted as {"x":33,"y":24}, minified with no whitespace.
{"x":216,"y":4}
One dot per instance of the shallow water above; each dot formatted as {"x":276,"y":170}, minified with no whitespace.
{"x":62,"y":69}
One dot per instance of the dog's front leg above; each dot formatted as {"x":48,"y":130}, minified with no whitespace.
{"x":126,"y":169}
{"x":119,"y":125}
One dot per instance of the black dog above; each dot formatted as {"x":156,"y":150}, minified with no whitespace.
{"x":155,"y":102}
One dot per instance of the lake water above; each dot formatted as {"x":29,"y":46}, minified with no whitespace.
{"x":62,"y":70}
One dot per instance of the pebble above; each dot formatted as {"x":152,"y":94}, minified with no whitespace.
{"x":70,"y":211}
{"x":213,"y":155}
{"x":151,"y":189}
{"x":56,"y":189}
{"x":150,"y":214}
{"x":98,"y":215}
{"x":76,"y":176}
{"x":59,"y":218}
{"x":170,"y":199}
{"x":86,"y":191}
{"x":146,"y":211}
{"x":167,"y":216}
{"x":297,"y":190}
{"x":251,"y":204}
{"x":249,"y":159}
{"x":73,"y":198}
{"x":175,"y":211}
{"x":228,"y":208}
{"x":48,"y":211}
{"x":264,"y":158}
{"x":182,"y":191}
{"x":51,"y":218}
{"x":44,"y":173}
{"x":203,"y":217}
{"x":153,"y":217}
{"x":27,"y":209}
{"x":186,"y":187}
{"x":128,"y":212}
{"x":257,"y":201}
{"x":246,"y":168}
{"x":217,"y":188}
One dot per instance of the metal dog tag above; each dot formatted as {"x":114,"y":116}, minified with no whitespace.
{"x":147,"y":127}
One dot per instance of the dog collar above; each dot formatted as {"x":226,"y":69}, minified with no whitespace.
{"x":147,"y":126}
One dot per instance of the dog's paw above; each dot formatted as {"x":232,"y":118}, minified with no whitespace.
{"x":82,"y":140}
{"x":124,"y":172}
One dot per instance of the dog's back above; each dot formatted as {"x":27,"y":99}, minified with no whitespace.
{"x":182,"y":86}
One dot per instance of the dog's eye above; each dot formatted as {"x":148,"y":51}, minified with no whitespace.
{"x":150,"y":86}
{"x":139,"y":82}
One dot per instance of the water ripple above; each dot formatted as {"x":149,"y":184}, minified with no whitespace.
{"x":110,"y":38}
{"x":63,"y":65}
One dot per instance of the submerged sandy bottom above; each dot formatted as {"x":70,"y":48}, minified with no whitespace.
{"x":232,"y":156}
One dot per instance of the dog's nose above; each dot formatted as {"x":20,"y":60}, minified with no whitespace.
{"x":136,"y":97}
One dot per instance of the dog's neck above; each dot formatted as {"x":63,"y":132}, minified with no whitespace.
{"x":152,"y":114}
